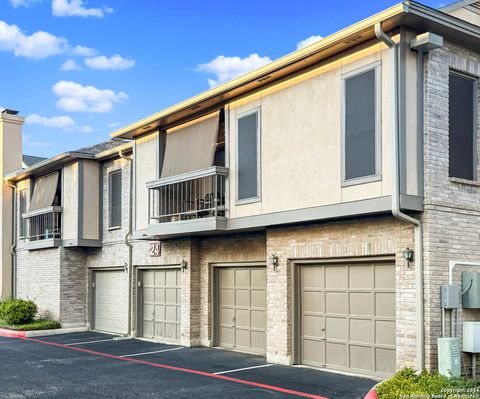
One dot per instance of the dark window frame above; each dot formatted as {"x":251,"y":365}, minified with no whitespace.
{"x":111,"y":224}
{"x":257,"y":198}
{"x":22,"y":197}
{"x":475,"y":124}
{"x":377,"y":175}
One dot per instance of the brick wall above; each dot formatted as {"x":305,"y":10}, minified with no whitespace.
{"x":452,"y":206}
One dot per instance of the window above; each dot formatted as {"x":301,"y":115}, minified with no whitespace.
{"x":115,"y":199}
{"x":22,"y":208}
{"x":248,"y":156}
{"x":462,"y":135}
{"x":360,"y":125}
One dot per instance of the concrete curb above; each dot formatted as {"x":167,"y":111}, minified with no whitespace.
{"x":39,"y":333}
{"x":372,"y":394}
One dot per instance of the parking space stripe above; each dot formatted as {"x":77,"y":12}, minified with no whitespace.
{"x":90,"y":342}
{"x":245,"y":368}
{"x":181,"y":369}
{"x":150,"y":353}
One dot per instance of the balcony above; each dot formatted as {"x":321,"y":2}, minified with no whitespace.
{"x":43,"y":227}
{"x":189,"y":203}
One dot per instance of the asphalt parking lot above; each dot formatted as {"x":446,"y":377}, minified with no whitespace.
{"x":94,"y":365}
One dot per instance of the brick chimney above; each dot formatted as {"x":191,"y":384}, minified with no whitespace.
{"x":10,"y":160}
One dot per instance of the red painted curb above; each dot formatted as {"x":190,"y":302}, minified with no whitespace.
{"x":12,"y":334}
{"x":372,"y":394}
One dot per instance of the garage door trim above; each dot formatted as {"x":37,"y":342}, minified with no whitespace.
{"x":214,"y":290}
{"x":296,"y":294}
{"x":139,"y":269}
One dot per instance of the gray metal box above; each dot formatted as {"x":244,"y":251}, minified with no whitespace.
{"x":471,"y":298}
{"x":450,"y":296}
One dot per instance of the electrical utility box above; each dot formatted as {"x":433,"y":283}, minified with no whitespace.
{"x":449,"y":357}
{"x":471,"y":298}
{"x":471,"y":336}
{"x":450,"y":296}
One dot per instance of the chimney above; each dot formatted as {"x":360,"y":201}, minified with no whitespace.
{"x":10,"y":160}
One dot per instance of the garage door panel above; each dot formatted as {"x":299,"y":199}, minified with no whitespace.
{"x":336,"y":302}
{"x":336,"y":354}
{"x":336,"y":328}
{"x":361,"y":358}
{"x":336,"y":277}
{"x":361,"y":331}
{"x":162,"y":312}
{"x":358,"y":317}
{"x":385,"y":332}
{"x":361,"y":303}
{"x":110,"y":301}
{"x":385,"y":304}
{"x":241,"y":308}
{"x":385,"y":360}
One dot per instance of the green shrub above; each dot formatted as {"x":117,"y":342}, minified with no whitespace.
{"x":406,"y":383}
{"x":17,"y":311}
{"x":34,"y":325}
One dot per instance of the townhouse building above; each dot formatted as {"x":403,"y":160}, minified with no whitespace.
{"x":306,"y":211}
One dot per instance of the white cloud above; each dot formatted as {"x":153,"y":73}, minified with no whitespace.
{"x":57,"y":122}
{"x":83,"y":51}
{"x":38,"y":45}
{"x":115,"y":62}
{"x":75,"y":97}
{"x":27,"y":141}
{"x":23,"y":3}
{"x":308,"y":41}
{"x":70,"y":65}
{"x":76,"y":8}
{"x":227,"y":68}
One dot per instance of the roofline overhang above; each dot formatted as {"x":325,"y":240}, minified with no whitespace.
{"x":407,"y":13}
{"x":59,"y":160}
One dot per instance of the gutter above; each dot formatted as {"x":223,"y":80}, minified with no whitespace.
{"x":396,"y":210}
{"x":13,"y":247}
{"x":128,"y":237}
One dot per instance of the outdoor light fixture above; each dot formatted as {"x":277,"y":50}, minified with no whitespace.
{"x":408,"y":255}
{"x":274,"y":261}
{"x":184,"y":265}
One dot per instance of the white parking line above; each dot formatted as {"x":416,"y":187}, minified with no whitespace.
{"x":246,"y":368}
{"x":90,"y":342}
{"x":149,"y":353}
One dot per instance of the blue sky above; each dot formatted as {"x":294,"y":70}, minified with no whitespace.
{"x":80,"y":69}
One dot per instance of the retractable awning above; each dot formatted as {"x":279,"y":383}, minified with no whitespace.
{"x":44,"y":192}
{"x":191,"y":146}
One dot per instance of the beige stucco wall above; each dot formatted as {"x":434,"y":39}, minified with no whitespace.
{"x":10,"y":160}
{"x":91,"y":200}
{"x":146,"y":156}
{"x":301,"y":138}
{"x":70,"y":201}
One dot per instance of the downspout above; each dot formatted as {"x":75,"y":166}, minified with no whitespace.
{"x":396,"y":211}
{"x":13,"y":247}
{"x":128,"y":237}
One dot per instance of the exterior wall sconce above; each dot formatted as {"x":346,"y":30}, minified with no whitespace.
{"x":184,"y":265}
{"x":408,"y":255}
{"x":274,"y":261}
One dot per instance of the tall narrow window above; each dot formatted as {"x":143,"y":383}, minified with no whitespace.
{"x":22,"y":208}
{"x":248,"y":167}
{"x":360,"y":125}
{"x":115,"y":199}
{"x":462,"y":134}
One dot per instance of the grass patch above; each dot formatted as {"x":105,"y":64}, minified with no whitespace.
{"x":407,"y":384}
{"x":34,"y":325}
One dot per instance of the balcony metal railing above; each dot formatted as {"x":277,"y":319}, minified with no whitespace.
{"x":44,"y":224}
{"x":195,"y":195}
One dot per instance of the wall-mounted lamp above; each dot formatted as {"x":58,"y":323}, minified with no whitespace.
{"x":184,"y":265}
{"x":274,"y":261}
{"x":408,"y":255}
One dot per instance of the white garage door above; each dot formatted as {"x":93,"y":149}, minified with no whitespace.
{"x":110,"y":301}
